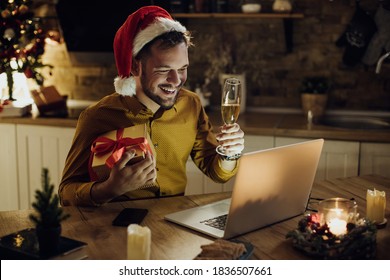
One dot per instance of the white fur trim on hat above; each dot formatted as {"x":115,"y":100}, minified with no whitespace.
{"x":125,"y":86}
{"x":158,"y":27}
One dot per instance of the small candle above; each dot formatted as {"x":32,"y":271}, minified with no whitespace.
{"x":376,"y":205}
{"x":336,"y":213}
{"x":138,"y":242}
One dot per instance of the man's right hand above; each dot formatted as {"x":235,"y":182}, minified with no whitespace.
{"x":124,"y":178}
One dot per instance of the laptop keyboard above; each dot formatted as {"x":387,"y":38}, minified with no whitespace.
{"x":217,"y":222}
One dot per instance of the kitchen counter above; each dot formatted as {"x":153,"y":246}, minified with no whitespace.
{"x":58,"y":122}
{"x":295,"y":125}
{"x":254,"y":123}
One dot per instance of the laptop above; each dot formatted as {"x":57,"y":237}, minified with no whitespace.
{"x":270,"y":186}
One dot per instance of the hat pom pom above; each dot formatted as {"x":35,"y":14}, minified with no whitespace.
{"x":125,"y":86}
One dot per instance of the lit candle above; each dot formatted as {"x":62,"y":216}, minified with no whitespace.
{"x":337,"y":226}
{"x":138,"y":242}
{"x":336,"y":213}
{"x":376,"y":205}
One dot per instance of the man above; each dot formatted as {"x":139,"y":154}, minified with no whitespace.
{"x":151,"y":53}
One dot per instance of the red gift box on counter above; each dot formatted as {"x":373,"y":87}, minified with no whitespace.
{"x":108,"y":148}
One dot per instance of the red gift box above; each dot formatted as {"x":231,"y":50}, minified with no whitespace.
{"x":109,"y":147}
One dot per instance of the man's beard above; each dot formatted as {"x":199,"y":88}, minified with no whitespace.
{"x":157,"y":99}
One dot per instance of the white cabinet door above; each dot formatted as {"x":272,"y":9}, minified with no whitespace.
{"x":194,"y":179}
{"x":39,"y":147}
{"x":198,"y":183}
{"x":252,"y":143}
{"x":257,"y":142}
{"x":9,"y":192}
{"x":375,"y":159}
{"x":338,"y":158}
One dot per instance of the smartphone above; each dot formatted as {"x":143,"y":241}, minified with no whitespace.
{"x":130,"y":216}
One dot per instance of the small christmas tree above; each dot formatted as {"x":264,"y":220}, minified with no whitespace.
{"x":48,"y":212}
{"x":22,"y":42}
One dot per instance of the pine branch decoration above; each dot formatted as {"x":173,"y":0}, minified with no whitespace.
{"x":318,"y":242}
{"x":46,"y":205}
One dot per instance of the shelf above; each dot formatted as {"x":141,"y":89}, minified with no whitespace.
{"x":239,"y":15}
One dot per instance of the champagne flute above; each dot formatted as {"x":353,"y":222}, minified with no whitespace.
{"x":230,"y":107}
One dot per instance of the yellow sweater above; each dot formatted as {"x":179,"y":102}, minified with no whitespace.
{"x":178,"y":133}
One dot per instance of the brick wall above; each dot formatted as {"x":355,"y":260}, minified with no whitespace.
{"x":257,"y":48}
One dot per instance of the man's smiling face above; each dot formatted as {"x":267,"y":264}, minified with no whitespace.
{"x":164,"y":73}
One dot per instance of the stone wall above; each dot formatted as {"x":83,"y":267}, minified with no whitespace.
{"x":257,"y":48}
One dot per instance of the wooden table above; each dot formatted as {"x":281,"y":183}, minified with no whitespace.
{"x":170,"y":241}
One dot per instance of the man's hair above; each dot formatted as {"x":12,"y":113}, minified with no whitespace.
{"x":165,"y":41}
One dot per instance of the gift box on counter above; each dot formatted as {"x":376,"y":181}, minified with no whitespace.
{"x":49,"y":102}
{"x":108,"y":148}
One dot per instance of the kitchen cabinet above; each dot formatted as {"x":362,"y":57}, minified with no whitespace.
{"x":38,"y":147}
{"x":194,"y":179}
{"x":9,"y":192}
{"x":26,"y":148}
{"x":338,"y":158}
{"x":198,"y":183}
{"x":252,"y":143}
{"x":375,"y":159}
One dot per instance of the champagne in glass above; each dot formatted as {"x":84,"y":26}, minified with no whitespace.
{"x":230,"y":104}
{"x":230,"y":113}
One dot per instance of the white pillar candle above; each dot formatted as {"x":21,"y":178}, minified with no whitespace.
{"x":376,"y":205}
{"x":138,"y":242}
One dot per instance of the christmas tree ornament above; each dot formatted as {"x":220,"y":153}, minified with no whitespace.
{"x":23,"y":9}
{"x":5,"y":13}
{"x":9,"y":34}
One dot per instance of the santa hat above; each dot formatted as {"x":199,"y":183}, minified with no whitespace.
{"x":140,"y":28}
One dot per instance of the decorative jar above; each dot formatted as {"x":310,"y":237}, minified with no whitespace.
{"x":336,"y":213}
{"x":282,"y":6}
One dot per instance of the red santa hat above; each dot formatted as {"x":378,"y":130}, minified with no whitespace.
{"x":140,"y":28}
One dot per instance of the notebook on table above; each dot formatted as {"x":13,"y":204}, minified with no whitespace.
{"x":270,"y":186}
{"x":24,"y":245}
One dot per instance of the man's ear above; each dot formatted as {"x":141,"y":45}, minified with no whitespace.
{"x":136,"y":67}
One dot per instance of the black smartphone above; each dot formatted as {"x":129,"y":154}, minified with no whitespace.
{"x":130,"y":216}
